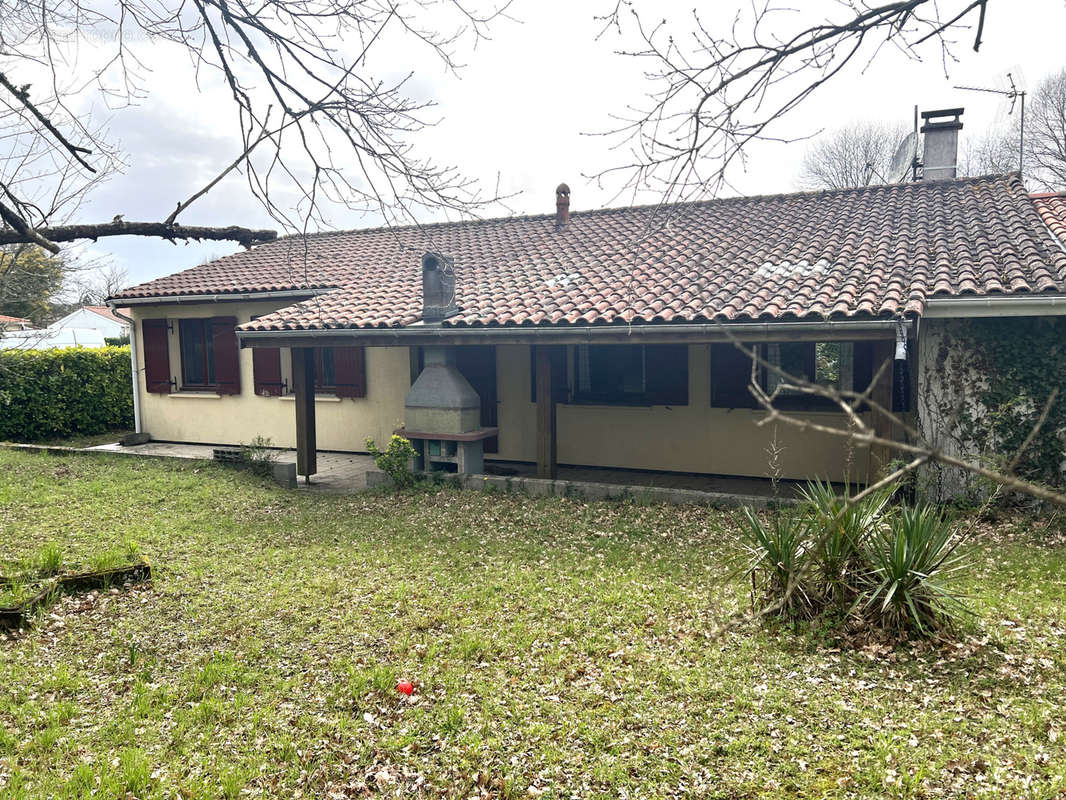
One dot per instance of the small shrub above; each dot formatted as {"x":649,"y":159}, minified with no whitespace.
{"x":259,"y":455}
{"x":908,"y":561}
{"x":840,"y":526}
{"x":840,"y":560}
{"x":395,"y":460}
{"x":779,"y":549}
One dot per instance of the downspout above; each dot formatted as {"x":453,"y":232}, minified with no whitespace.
{"x":133,"y":367}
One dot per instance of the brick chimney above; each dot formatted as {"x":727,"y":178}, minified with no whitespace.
{"x":562,"y":206}
{"x":940,"y":156}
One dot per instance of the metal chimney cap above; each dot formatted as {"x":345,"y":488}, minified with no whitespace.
{"x":562,"y":190}
{"x":934,"y":121}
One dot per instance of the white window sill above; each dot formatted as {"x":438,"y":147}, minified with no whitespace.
{"x":195,"y":395}
{"x":319,"y":398}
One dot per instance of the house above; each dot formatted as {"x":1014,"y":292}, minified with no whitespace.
{"x":598,"y":338}
{"x":14,"y":323}
{"x":51,"y":339}
{"x":100,"y":318}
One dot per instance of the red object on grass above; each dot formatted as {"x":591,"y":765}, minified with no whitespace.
{"x":405,"y":687}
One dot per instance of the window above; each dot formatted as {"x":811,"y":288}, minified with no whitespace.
{"x":828,"y":364}
{"x":325,"y":374}
{"x":623,"y":374}
{"x":835,"y":365}
{"x":209,"y":355}
{"x":730,"y":378}
{"x":341,"y":371}
{"x":197,"y":353}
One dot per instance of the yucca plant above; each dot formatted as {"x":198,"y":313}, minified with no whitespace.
{"x":909,"y":562}
{"x":780,"y":558}
{"x":839,"y":527}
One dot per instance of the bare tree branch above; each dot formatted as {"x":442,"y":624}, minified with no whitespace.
{"x":715,"y":91}
{"x":316,"y":128}
{"x":70,"y":233}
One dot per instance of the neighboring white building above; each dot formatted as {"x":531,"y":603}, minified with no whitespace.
{"x":96,"y":317}
{"x":51,"y":339}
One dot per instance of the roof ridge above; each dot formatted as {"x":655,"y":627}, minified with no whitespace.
{"x":747,"y":198}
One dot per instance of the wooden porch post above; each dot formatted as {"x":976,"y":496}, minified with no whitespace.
{"x":303,"y":385}
{"x":546,"y":446}
{"x":880,"y":456}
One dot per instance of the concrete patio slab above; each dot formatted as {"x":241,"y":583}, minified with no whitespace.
{"x":337,"y":472}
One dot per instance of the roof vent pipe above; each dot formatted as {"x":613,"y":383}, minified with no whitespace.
{"x":438,"y":287}
{"x":940,"y":154}
{"x":562,"y":206}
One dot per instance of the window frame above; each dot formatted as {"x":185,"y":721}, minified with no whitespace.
{"x":795,"y":401}
{"x":207,"y":344}
{"x":646,"y":398}
{"x":320,"y":362}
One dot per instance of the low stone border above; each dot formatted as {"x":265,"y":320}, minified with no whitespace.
{"x":589,"y":490}
{"x":19,"y":616}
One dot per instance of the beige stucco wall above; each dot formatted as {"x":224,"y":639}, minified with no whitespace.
{"x":692,"y":438}
{"x":342,"y":424}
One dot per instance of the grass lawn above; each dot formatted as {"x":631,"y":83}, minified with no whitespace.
{"x":559,"y":649}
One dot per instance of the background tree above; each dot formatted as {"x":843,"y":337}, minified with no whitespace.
{"x":93,"y":287}
{"x":29,"y":279}
{"x":991,"y":152}
{"x":858,"y":154}
{"x":714,"y":92}
{"x":313,"y":123}
{"x":1045,"y":133}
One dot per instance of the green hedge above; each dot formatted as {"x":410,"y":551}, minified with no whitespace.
{"x":52,"y":394}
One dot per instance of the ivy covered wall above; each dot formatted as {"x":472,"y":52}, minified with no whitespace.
{"x":982,"y":385}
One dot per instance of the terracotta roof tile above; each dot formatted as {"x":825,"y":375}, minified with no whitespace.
{"x":1052,"y":209}
{"x":877,"y":251}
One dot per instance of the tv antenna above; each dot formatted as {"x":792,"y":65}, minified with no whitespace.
{"x":1013,"y":94}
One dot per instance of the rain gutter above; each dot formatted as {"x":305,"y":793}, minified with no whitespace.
{"x":133,"y":367}
{"x":220,"y":298}
{"x":995,"y":306}
{"x":588,"y":333}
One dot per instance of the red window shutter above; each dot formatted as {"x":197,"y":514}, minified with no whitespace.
{"x":349,"y":371}
{"x":156,"y":356}
{"x":266,"y":371}
{"x":226,"y":355}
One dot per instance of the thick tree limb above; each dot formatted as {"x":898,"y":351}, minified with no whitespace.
{"x":69,"y":233}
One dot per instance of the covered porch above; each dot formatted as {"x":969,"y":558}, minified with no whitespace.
{"x":537,"y":394}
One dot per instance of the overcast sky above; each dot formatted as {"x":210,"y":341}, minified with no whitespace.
{"x":521,"y":112}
